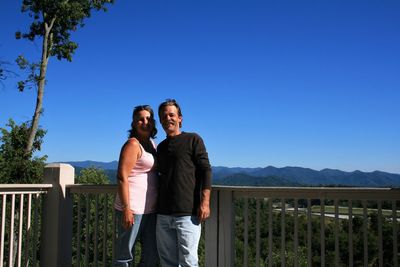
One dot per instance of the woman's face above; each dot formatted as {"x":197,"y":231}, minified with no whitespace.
{"x":143,"y":123}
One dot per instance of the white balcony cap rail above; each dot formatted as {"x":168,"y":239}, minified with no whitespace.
{"x":12,"y":189}
{"x":359,"y":193}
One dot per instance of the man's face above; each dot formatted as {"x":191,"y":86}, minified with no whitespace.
{"x":170,"y":120}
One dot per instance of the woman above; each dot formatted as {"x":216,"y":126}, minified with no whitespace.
{"x":136,"y":200}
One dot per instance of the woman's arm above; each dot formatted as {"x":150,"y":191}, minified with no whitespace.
{"x":130,"y":152}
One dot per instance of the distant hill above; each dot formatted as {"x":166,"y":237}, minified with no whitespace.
{"x":240,"y":179}
{"x":272,"y":176}
{"x":312,"y":177}
{"x":113,"y":165}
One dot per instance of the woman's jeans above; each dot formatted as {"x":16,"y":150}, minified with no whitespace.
{"x":178,"y":240}
{"x":144,"y":230}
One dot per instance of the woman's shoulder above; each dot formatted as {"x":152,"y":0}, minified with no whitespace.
{"x":132,"y":142}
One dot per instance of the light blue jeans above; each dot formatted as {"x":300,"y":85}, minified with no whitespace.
{"x":143,"y":230}
{"x":178,"y":240}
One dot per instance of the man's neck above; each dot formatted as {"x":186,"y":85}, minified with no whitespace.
{"x":174,"y":134}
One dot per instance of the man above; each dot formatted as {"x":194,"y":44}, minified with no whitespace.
{"x":184,"y":190}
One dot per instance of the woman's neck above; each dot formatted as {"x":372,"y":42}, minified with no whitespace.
{"x":143,"y":139}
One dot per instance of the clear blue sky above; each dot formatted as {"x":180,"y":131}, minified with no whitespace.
{"x":284,"y":83}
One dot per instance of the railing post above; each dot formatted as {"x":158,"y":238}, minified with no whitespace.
{"x":56,"y":233}
{"x":219,"y":230}
{"x":226,"y":239}
{"x":211,"y":232}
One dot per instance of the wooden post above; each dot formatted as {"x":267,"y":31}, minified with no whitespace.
{"x":219,"y":230}
{"x":211,"y":232}
{"x":226,"y":239}
{"x":56,"y":232}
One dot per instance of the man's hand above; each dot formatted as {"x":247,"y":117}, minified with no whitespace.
{"x":204,"y":209}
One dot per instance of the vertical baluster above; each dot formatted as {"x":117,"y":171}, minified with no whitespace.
{"x":105,"y":212}
{"x":113,"y":234}
{"x":322,"y":234}
{"x":11,"y":237}
{"x":79,"y":230}
{"x":336,"y":230}
{"x":309,"y":232}
{"x":21,"y":220}
{"x":296,"y":233}
{"x":394,"y":222}
{"x":3,"y":223}
{"x":270,"y":232}
{"x":380,"y":238}
{"x":351,"y":233}
{"x":246,"y":231}
{"x":87,"y":230}
{"x":28,"y":230}
{"x":283,"y":234}
{"x":365,"y":232}
{"x":35,"y":229}
{"x":11,"y":244}
{"x":257,"y":232}
{"x":96,"y":230}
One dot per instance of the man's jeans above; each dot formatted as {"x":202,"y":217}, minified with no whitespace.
{"x":177,"y":240}
{"x":143,"y":229}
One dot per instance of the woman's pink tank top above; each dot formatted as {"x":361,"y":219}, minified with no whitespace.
{"x":142,"y":185}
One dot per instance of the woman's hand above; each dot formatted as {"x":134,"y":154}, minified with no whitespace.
{"x":127,"y":218}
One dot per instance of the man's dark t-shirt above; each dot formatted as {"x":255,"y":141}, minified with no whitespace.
{"x":184,"y":170}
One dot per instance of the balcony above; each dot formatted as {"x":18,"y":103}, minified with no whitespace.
{"x":59,"y":223}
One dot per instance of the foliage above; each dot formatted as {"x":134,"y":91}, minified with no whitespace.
{"x":18,"y":167}
{"x":58,"y":19}
{"x":15,"y":165}
{"x":5,"y":71}
{"x":342,"y":226}
{"x":32,"y":72}
{"x":92,"y":175}
{"x":53,"y":22}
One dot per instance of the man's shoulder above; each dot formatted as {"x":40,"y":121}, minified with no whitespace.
{"x":162,"y":143}
{"x":191,"y":135}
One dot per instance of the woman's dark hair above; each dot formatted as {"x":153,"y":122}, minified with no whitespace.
{"x":132,"y":132}
{"x":169,"y":102}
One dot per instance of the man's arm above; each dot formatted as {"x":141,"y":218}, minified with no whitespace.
{"x":204,"y":208}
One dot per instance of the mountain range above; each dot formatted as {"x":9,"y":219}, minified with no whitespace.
{"x":273,"y":176}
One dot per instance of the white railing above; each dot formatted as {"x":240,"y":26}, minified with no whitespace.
{"x":20,"y":226}
{"x":303,"y":227}
{"x":249,"y":226}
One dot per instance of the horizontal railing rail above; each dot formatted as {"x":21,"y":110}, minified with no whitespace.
{"x":376,"y":193}
{"x":95,"y":189}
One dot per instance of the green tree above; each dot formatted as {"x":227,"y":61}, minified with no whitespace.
{"x":15,"y":165}
{"x":92,"y":175}
{"x":53,"y":22}
{"x":5,"y":71}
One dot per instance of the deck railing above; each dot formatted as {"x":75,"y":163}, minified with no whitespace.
{"x":316,"y":226}
{"x":249,"y":226}
{"x":20,"y":223}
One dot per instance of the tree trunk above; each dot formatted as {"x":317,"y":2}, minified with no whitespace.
{"x":46,"y":46}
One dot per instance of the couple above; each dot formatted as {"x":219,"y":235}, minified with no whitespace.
{"x":163,"y":195}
